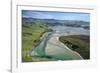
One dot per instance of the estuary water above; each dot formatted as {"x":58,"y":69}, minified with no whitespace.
{"x":52,"y":47}
{"x":70,"y":30}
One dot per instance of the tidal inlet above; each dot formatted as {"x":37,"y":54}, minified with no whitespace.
{"x":55,"y":36}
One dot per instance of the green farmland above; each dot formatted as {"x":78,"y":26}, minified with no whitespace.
{"x":78,"y":43}
{"x":31,"y":34}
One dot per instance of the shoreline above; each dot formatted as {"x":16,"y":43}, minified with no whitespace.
{"x":68,"y":47}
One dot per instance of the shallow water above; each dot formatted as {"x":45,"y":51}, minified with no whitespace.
{"x":72,"y":30}
{"x":51,"y":46}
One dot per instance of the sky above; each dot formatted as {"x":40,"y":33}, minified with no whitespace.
{"x":56,"y":15}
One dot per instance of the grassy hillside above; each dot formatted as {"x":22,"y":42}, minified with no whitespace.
{"x":78,"y":43}
{"x":31,"y":34}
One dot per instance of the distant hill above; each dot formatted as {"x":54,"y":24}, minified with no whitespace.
{"x":54,"y":22}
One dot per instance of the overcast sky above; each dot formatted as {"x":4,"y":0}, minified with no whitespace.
{"x":56,"y":15}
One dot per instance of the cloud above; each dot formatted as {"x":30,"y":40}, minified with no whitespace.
{"x":42,"y":15}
